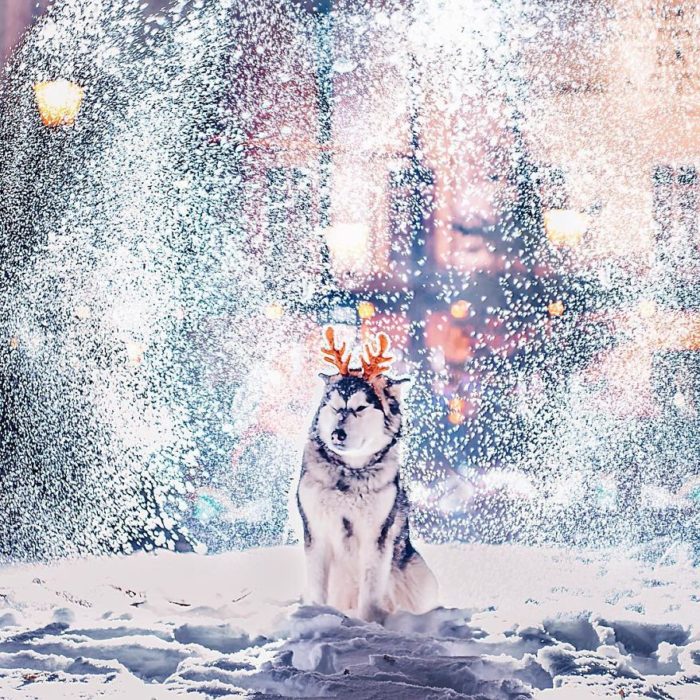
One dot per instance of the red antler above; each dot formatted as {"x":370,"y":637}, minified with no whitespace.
{"x":333,"y":355}
{"x":377,"y":362}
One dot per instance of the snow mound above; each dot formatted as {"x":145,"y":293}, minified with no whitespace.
{"x":517,"y":623}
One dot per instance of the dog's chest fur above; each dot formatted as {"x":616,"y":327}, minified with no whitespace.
{"x":348,"y":508}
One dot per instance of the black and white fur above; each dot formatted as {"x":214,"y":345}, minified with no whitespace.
{"x":353,"y":508}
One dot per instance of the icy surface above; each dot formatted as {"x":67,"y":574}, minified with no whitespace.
{"x":517,"y":623}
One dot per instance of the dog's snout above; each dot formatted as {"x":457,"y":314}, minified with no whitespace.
{"x":339,"y":434}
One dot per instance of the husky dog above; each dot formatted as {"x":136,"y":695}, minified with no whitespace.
{"x":353,"y":508}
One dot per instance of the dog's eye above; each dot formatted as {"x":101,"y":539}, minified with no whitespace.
{"x":360,"y":408}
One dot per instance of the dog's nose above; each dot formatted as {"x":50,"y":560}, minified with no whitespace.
{"x":339,"y":435}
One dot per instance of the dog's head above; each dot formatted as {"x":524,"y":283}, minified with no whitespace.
{"x":358,"y":418}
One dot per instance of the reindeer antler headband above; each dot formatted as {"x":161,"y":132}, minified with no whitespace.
{"x":376,"y":363}
{"x":333,"y":355}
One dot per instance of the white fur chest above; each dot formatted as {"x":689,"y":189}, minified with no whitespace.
{"x":345,"y":518}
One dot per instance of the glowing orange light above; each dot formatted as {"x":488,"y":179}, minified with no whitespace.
{"x":14,"y":342}
{"x":564,"y":227}
{"x":460,"y":309}
{"x":274,"y":311}
{"x":691,"y":339}
{"x":455,"y":418}
{"x":457,"y":404}
{"x":365,"y":310}
{"x":556,"y":308}
{"x":58,"y":101}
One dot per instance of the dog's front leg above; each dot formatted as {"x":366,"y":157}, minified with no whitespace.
{"x":374,"y":582}
{"x":317,"y":572}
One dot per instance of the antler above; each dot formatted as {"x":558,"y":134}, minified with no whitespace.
{"x":333,"y":355}
{"x":377,"y":362}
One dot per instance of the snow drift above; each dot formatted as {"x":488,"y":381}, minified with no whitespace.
{"x":517,"y":623}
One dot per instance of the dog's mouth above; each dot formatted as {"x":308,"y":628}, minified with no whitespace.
{"x":344,"y":448}
{"x":340,"y":447}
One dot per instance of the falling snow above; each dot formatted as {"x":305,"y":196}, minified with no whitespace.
{"x":466,"y":176}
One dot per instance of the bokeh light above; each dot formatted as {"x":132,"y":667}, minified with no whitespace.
{"x":58,"y":101}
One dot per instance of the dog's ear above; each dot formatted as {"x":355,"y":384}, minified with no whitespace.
{"x":393,"y":387}
{"x":397,"y":382}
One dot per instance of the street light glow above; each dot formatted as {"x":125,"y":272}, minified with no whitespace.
{"x":58,"y":101}
{"x":347,"y":244}
{"x":565,"y":227}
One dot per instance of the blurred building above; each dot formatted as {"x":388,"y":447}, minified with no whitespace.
{"x":615,"y":113}
{"x":503,"y":207}
{"x":16,"y":16}
{"x":511,"y":220}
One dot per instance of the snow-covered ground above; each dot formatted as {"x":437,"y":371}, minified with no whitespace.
{"x":517,"y":623}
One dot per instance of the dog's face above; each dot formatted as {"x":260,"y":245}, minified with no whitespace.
{"x":357,"y":419}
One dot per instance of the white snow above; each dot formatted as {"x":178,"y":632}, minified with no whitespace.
{"x":517,"y":622}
